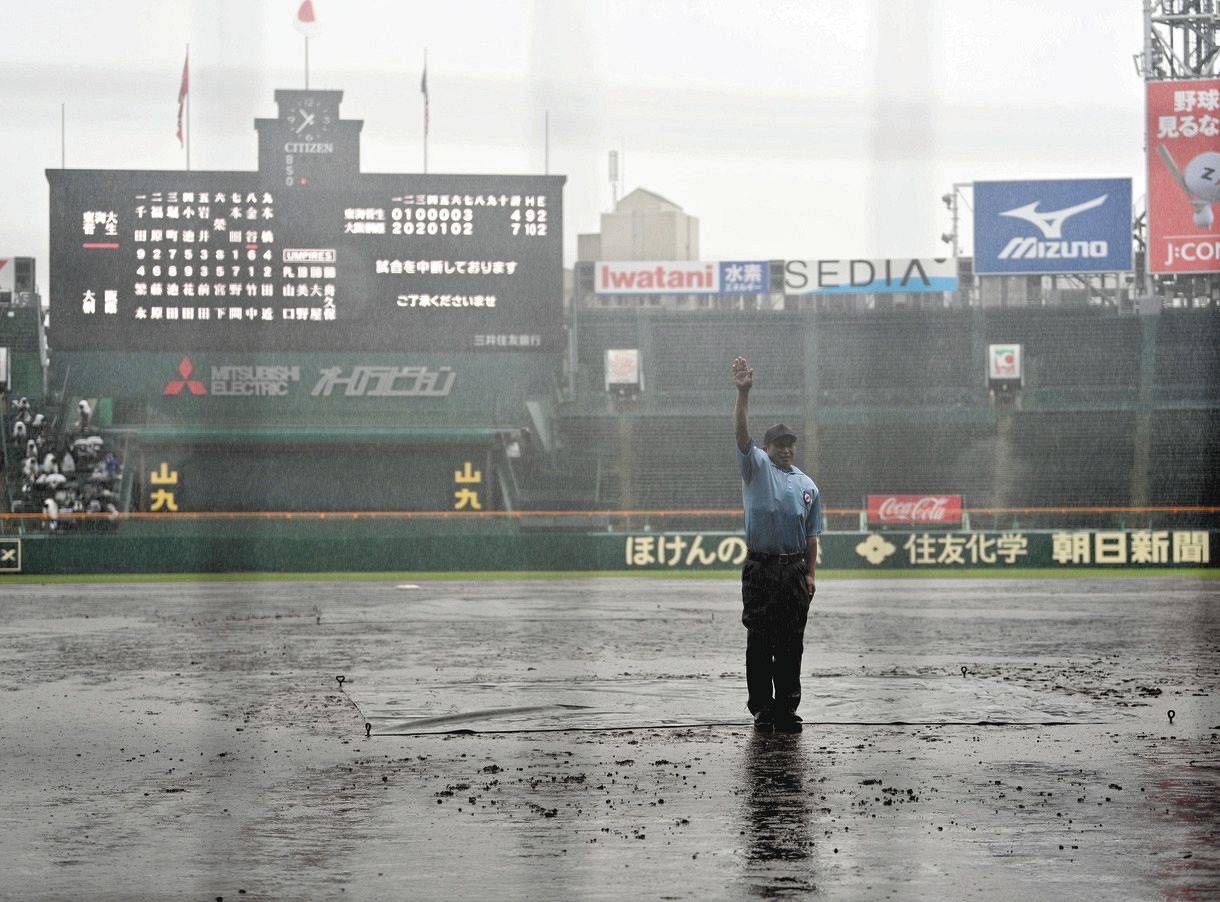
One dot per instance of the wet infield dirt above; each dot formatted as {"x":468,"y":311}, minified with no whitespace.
{"x":588,"y":739}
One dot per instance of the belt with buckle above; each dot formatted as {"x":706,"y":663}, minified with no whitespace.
{"x":776,"y":558}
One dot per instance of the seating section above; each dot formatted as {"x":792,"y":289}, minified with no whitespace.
{"x":1188,"y":355}
{"x":905,"y":458}
{"x":1186,"y":457}
{"x":1071,"y":459}
{"x":901,"y":406}
{"x":693,"y":353}
{"x":902,"y":358}
{"x":1085,"y":357}
{"x":59,"y":473}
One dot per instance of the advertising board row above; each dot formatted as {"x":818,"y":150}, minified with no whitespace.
{"x":1028,"y":227}
{"x":339,"y":544}
{"x":826,"y":276}
{"x":1020,"y":228}
{"x":927,"y":550}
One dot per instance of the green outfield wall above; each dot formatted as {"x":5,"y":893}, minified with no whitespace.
{"x":342,"y":544}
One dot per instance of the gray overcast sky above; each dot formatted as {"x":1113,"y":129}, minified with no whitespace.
{"x":810,"y":128}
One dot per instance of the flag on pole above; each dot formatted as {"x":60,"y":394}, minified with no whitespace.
{"x":305,"y":22}
{"x":183,"y":90}
{"x":423,"y":89}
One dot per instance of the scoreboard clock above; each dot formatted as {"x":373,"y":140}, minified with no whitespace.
{"x":311,"y":117}
{"x":311,"y":146}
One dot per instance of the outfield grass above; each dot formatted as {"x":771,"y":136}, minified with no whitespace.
{"x":1199,"y":573}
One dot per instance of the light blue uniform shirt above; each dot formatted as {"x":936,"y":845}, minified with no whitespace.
{"x":783,"y":507}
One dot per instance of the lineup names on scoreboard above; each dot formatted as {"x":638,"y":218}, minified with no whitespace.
{"x":211,"y":256}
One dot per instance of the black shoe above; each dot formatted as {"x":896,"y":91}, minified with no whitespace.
{"x":764,"y":722}
{"x":788,"y":723}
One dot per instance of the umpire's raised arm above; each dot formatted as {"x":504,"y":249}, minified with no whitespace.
{"x":743,"y":377}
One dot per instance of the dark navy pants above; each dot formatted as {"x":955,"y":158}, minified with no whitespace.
{"x":775,"y":608}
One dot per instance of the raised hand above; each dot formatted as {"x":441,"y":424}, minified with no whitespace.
{"x":743,"y":376}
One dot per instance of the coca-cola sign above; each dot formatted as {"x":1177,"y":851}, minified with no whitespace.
{"x":914,"y":510}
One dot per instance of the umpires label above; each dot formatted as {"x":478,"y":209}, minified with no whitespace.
{"x":10,"y":555}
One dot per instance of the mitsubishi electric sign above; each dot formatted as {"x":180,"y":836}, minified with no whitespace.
{"x":1062,"y":225}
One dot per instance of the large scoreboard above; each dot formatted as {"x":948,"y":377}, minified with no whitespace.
{"x":307,"y":254}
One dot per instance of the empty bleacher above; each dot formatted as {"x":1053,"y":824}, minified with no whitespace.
{"x":1187,"y":364}
{"x":896,"y":401}
{"x":1085,"y":358}
{"x":1185,"y":457}
{"x":897,"y":358}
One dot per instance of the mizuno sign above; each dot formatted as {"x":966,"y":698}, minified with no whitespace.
{"x":1052,"y":226}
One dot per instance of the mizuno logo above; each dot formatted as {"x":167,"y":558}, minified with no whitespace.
{"x":1028,"y":247}
{"x":1051,"y":222}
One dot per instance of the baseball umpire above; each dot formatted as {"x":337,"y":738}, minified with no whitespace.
{"x":783,"y":517}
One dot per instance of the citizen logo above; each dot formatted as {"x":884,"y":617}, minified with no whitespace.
{"x":307,"y":147}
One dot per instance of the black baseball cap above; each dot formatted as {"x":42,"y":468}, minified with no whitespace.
{"x":777,"y":432}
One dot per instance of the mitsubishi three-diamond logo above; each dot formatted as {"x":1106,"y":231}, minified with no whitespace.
{"x":194,"y":386}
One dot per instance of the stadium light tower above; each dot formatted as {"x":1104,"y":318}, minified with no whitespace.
{"x":950,"y":200}
{"x":1181,"y":40}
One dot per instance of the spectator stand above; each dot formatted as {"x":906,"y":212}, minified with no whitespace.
{"x":61,"y":474}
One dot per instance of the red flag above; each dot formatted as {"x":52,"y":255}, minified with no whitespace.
{"x":305,"y":22}
{"x":423,"y":89}
{"x":183,"y":89}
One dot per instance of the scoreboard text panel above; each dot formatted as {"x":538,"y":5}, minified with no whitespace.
{"x":157,"y":261}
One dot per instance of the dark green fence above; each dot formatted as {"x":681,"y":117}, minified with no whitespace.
{"x":365,"y":544}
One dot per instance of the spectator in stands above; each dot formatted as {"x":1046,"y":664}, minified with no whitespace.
{"x":64,"y":473}
{"x":783,"y":518}
{"x":85,"y":415}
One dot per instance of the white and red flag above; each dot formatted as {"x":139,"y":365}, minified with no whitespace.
{"x":183,"y":90}
{"x":306,"y":23}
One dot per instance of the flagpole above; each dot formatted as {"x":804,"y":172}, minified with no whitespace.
{"x":425,"y":87}
{"x":188,"y":110}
